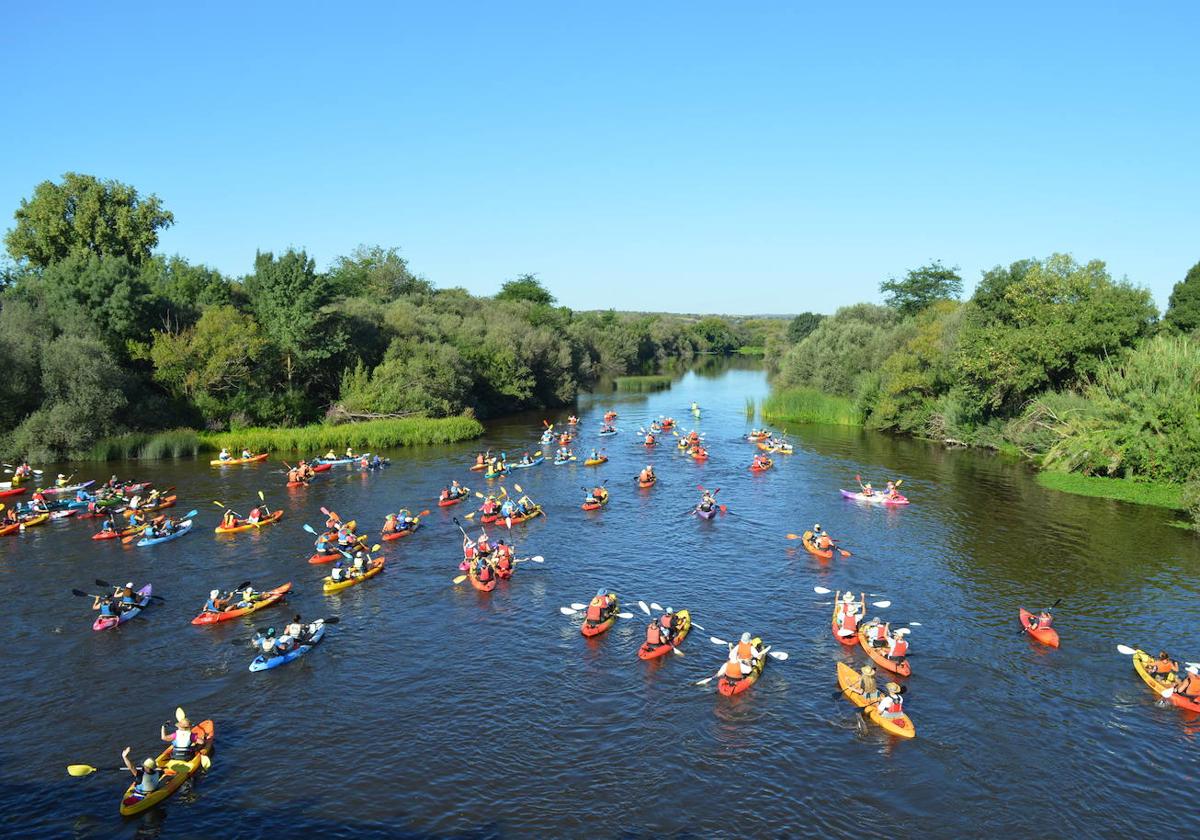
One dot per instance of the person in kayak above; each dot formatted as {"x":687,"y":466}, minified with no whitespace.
{"x":890,"y":491}
{"x":483,"y":570}
{"x":649,"y":441}
{"x":866,"y":685}
{"x":246,"y":453}
{"x":105,"y":605}
{"x":330,"y":456}
{"x":136,"y":520}
{"x":37,"y":504}
{"x":646,"y":475}
{"x":481,"y":460}
{"x":184,"y":740}
{"x":229,"y":519}
{"x":10,"y":516}
{"x":349,"y":451}
{"x":745,"y":650}
{"x":345,"y":537}
{"x":707,"y":502}
{"x":337,"y":573}
{"x":483,"y":545}
{"x":867,"y":489}
{"x":1164,"y":668}
{"x":360,"y":563}
{"x":60,"y":480}
{"x":215,"y":603}
{"x":247,"y":597}
{"x":661,"y":630}
{"x":820,"y":539}
{"x":525,"y":506}
{"x":891,"y":705}
{"x":594,"y":497}
{"x":898,"y":647}
{"x":877,"y":633}
{"x":1042,"y":619}
{"x":390,"y":524}
{"x":1189,"y":686}
{"x":761,"y":462}
{"x":848,"y":615}
{"x":224,"y":455}
{"x":600,"y":608}
{"x":503,"y":557}
{"x":146,"y":778}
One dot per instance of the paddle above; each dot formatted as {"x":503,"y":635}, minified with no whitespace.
{"x":79,"y":770}
{"x":1128,"y":651}
{"x":108,"y":585}
{"x":333,"y":619}
{"x":537,"y":558}
{"x":774,"y":654}
{"x":707,"y":680}
{"x":578,"y":608}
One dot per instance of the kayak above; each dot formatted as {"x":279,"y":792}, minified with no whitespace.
{"x":62,"y":514}
{"x":68,"y":488}
{"x":779,"y":448}
{"x":478,"y":467}
{"x":811,"y":547}
{"x":646,"y":484}
{"x":324,"y":557}
{"x":505,"y":574}
{"x":267,"y":598}
{"x":900,"y":726}
{"x":608,"y":433}
{"x":180,"y":530}
{"x":164,"y":502}
{"x":517,"y":465}
{"x":12,"y":491}
{"x":143,"y":601}
{"x":488,"y":518}
{"x":453,"y":500}
{"x":261,"y":664}
{"x":558,"y":462}
{"x":334,"y":462}
{"x":600,"y":502}
{"x":112,"y":535}
{"x":595,"y":462}
{"x":729,"y":687}
{"x":244,"y":525}
{"x":646,"y":651}
{"x":177,"y":773}
{"x":1140,"y":660}
{"x":879,"y":655}
{"x":588,"y":629}
{"x":699,"y":454}
{"x":28,"y":523}
{"x":482,"y":586}
{"x":495,"y":473}
{"x":763,"y":466}
{"x":758,"y":438}
{"x":1046,"y":635}
{"x":852,"y":639}
{"x":330,"y":586}
{"x":514,"y":520}
{"x":705,"y":514}
{"x":395,"y":535}
{"x":875,"y":498}
{"x":230,"y":462}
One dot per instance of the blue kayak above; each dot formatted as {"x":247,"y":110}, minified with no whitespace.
{"x":606,"y":434}
{"x":338,"y":461}
{"x":517,"y":465}
{"x":261,"y":664}
{"x":180,"y":530}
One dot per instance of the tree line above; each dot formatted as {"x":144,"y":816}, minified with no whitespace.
{"x":101,"y":335}
{"x":1051,"y":358}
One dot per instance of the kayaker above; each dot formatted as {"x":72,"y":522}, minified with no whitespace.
{"x":345,"y":537}
{"x":38,"y":502}
{"x":349,"y":451}
{"x":898,"y":648}
{"x":136,"y":520}
{"x":734,"y":669}
{"x":504,"y":558}
{"x":707,"y":501}
{"x":819,"y":537}
{"x":481,"y":460}
{"x":331,"y":455}
{"x":483,"y":571}
{"x":646,"y":475}
{"x":594,"y":497}
{"x":661,"y":630}
{"x":456,"y":489}
{"x":105,"y":605}
{"x":247,"y":597}
{"x":145,"y":778}
{"x":599,"y":608}
{"x":483,"y":545}
{"x":877,"y":634}
{"x":866,"y":686}
{"x":848,"y":615}
{"x":445,"y":495}
{"x":229,"y":519}
{"x":255,"y":516}
{"x":360,"y":562}
{"x":126,"y":596}
{"x":891,"y":492}
{"x":891,"y":706}
{"x":215,"y":603}
{"x":866,"y":489}
{"x":1042,"y":619}
{"x":489,"y":506}
{"x":526,"y":458}
{"x":113,"y":482}
{"x":265,"y":642}
{"x":337,"y":573}
{"x":649,"y":440}
{"x":60,"y":481}
{"x":405,"y":520}
{"x":184,"y":740}
{"x":525,"y":505}
{"x":10,"y":516}
{"x":390,"y":524}
{"x":1189,"y":686}
{"x":745,"y":650}
{"x":1165,"y":668}
{"x":761,"y":461}
{"x":224,"y":456}
{"x":572,"y":420}
{"x":246,"y":453}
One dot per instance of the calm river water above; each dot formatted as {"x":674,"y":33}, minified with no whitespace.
{"x":435,"y":710}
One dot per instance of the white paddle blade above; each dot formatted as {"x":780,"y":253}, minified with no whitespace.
{"x":642,"y":606}
{"x":915,"y":624}
{"x":704,"y":681}
{"x":1167,"y":692}
{"x":883,"y":605}
{"x":579,"y":606}
{"x":676,"y":651}
{"x":655,"y":607}
{"x":624,"y":615}
{"x":717,"y":641}
{"x":567,"y":611}
{"x":1126,"y":649}
{"x":781,"y":655}
{"x":537,"y":558}
{"x":821,"y":590}
{"x":698,"y":627}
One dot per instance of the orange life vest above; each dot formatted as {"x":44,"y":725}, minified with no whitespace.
{"x":745,"y":650}
{"x":899,"y":648}
{"x":594,"y":609}
{"x":895,"y":705}
{"x":879,"y":633}
{"x":732,"y":670}
{"x":1189,"y":686}
{"x":652,"y":635}
{"x":1164,"y":666}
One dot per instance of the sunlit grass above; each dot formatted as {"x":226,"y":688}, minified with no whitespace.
{"x":808,"y":405}
{"x":1156,"y":494}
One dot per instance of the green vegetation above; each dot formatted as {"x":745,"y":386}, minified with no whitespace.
{"x":751,"y":408}
{"x":1051,"y":359}
{"x":175,"y":443}
{"x":129,"y":342}
{"x":808,"y":405}
{"x":752,"y":350}
{"x":369,"y":435}
{"x":653,"y":382}
{"x":1120,"y":489}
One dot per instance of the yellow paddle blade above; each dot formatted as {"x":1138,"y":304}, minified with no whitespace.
{"x":219,"y":504}
{"x":205,"y":761}
{"x":519,"y":488}
{"x":375,"y":547}
{"x":179,"y":715}
{"x":793,"y":536}
{"x":470,"y":515}
{"x":80,"y":769}
{"x":480,"y":495}
{"x":459,"y":580}
{"x":261,"y":496}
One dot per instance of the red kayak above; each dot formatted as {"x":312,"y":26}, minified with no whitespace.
{"x":12,"y":491}
{"x":1045,"y":634}
{"x":395,"y":535}
{"x":482,"y":586}
{"x":852,"y":639}
{"x":324,"y":557}
{"x":452,"y":500}
{"x":266,"y":599}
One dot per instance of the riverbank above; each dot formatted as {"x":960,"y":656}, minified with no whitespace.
{"x":368,"y":435}
{"x":1154,"y":494}
{"x":808,"y":405}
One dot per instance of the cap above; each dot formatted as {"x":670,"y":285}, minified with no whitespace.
{"x":129,"y":585}
{"x":148,"y":764}
{"x":867,"y":670}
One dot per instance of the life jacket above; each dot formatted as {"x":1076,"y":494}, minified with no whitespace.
{"x":479,"y":459}
{"x":666,"y":620}
{"x":484,"y":546}
{"x":594,"y":610}
{"x":745,"y":650}
{"x":849,"y":621}
{"x":878,"y":633}
{"x":732,"y":669}
{"x":489,"y":507}
{"x":653,"y":637}
{"x":823,"y":541}
{"x":893,"y":704}
{"x":181,"y":745}
{"x":255,"y":515}
{"x":485,"y":572}
{"x":469,"y":552}
{"x":1165,"y":666}
{"x":504,"y":562}
{"x":147,"y":781}
{"x":899,"y":648}
{"x":1190,"y":686}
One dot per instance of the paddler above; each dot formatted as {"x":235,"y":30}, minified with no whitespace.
{"x":483,"y":570}
{"x":847,"y":616}
{"x":599,"y":608}
{"x":349,"y":451}
{"x":646,"y":475}
{"x":480,"y":460}
{"x":483,"y":545}
{"x":594,"y":497}
{"x":595,"y":456}
{"x":105,"y":605}
{"x":525,"y":505}
{"x":1042,"y":619}
{"x":707,"y":501}
{"x":224,"y":456}
{"x":255,"y":516}
{"x":898,"y":648}
{"x":126,"y":596}
{"x":469,"y":550}
{"x":215,"y":603}
{"x":877,"y":634}
{"x":761,"y":461}
{"x":866,"y":686}
{"x":405,"y":520}
{"x":745,"y":650}
{"x":246,"y":453}
{"x":503,"y":556}
{"x":891,"y":706}
{"x":891,"y":492}
{"x":489,"y":506}
{"x":661,"y":630}
{"x":229,"y":519}
{"x":184,"y":740}
{"x":649,"y":439}
{"x":330,"y":456}
{"x":60,"y":481}
{"x":1164,"y":668}
{"x":145,"y":778}
{"x":1189,"y":686}
{"x":360,"y":563}
{"x":389,"y":524}
{"x":247,"y":597}
{"x":866,"y":489}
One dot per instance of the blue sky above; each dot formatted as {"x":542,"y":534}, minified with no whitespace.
{"x":685,"y":156}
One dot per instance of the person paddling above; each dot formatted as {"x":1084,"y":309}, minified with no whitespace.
{"x":600,"y":607}
{"x":146,"y":778}
{"x":848,"y":615}
{"x":647,"y":475}
{"x":1042,"y":619}
{"x":662,"y":630}
{"x":1189,"y":687}
{"x":184,"y":741}
{"x":891,"y":706}
{"x":1164,"y":668}
{"x":224,"y":455}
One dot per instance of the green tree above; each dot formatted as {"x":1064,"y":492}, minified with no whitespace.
{"x":186,"y":288}
{"x":378,"y":273}
{"x":83,"y":214}
{"x":921,"y":287}
{"x":108,"y":294}
{"x":834,"y":357}
{"x":290,"y":300}
{"x":920,"y":370}
{"x":1050,"y":328}
{"x":803,"y":324}
{"x":1183,"y":309}
{"x":526,"y":287}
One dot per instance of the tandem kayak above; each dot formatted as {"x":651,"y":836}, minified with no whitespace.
{"x":646,"y":651}
{"x":705,"y":514}
{"x":848,"y":678}
{"x":1140,"y":660}
{"x":762,"y":466}
{"x":453,"y":500}
{"x":495,"y":473}
{"x":558,"y":462}
{"x":1046,"y":634}
{"x":26,"y":523}
{"x":879,"y":655}
{"x":164,"y":502}
{"x":334,"y":462}
{"x":180,"y":530}
{"x":608,"y":433}
{"x":517,"y":465}
{"x":589,"y":629}
{"x":595,"y":462}
{"x":143,"y":601}
{"x":601,"y":501}
{"x":245,"y":525}
{"x":330,"y":585}
{"x":177,"y":772}
{"x":729,"y":687}
{"x":875,"y":498}
{"x":811,"y":547}
{"x":481,"y":585}
{"x":265,"y":664}
{"x":514,"y":520}
{"x":265,"y":600}
{"x":852,"y":639}
{"x":403,"y":532}
{"x":231,"y":462}
{"x":68,"y":488}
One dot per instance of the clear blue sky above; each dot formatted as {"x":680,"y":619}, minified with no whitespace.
{"x":685,"y":156}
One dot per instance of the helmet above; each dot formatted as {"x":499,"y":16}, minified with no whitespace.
{"x":817,"y":526}
{"x":215,"y":593}
{"x":670,"y":611}
{"x":746,"y":638}
{"x":600,"y":593}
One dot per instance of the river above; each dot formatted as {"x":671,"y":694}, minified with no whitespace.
{"x":435,"y":710}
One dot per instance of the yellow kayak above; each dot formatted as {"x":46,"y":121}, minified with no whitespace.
{"x":229,"y":462}
{"x":177,"y":773}
{"x":244,"y":525}
{"x":899,"y":726}
{"x":331,"y":586}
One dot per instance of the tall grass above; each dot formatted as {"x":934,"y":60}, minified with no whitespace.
{"x":808,"y":405}
{"x":750,"y":408}
{"x":1158,"y":494}
{"x":173,"y":443}
{"x":370,"y":435}
{"x":655,"y":382}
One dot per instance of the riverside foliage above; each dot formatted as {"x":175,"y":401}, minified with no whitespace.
{"x":103,"y":338}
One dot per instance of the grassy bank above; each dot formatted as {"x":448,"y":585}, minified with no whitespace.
{"x":1120,"y":489}
{"x":642,"y":383}
{"x":807,"y":405}
{"x":371,"y":435}
{"x":752,"y":350}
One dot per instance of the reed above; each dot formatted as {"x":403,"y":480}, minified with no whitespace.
{"x":372,"y":435}
{"x":653,"y":382}
{"x":808,"y":405}
{"x":173,"y":443}
{"x":750,"y":408}
{"x":1157,"y":494}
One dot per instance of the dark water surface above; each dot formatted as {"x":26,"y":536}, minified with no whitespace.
{"x":434,"y":710}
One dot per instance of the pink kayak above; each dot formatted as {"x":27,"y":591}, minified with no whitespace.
{"x":875,"y":498}
{"x":106,"y":621}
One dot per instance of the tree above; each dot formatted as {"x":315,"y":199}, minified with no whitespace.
{"x":526,"y":287}
{"x":84,"y":215}
{"x":1183,"y":309}
{"x":1049,"y":329}
{"x":289,"y":299}
{"x":802,"y":325}
{"x":376,"y":272}
{"x":106,"y":293}
{"x":921,"y":287}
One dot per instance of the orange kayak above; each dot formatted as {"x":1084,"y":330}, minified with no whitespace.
{"x":246,"y":525}
{"x":879,"y":655}
{"x":1045,"y":634}
{"x":269,"y":597}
